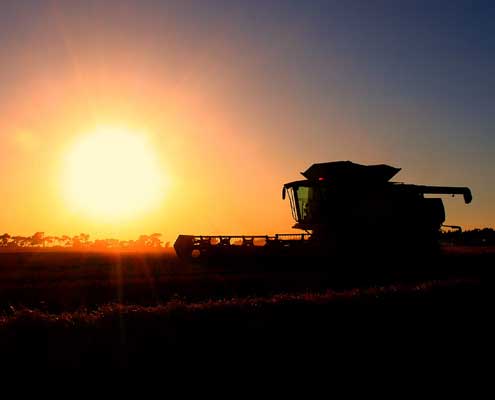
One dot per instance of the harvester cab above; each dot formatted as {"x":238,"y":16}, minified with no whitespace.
{"x":340,"y":202}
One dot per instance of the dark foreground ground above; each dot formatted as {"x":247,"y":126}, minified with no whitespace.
{"x":88,"y":309}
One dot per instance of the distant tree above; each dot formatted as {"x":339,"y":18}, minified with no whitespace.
{"x":15,"y":241}
{"x":76,"y":242}
{"x":66,"y":240}
{"x":142,"y":242}
{"x":49,"y":240}
{"x":58,"y":240}
{"x":20,"y":241}
{"x":38,"y":239}
{"x":4,"y":239}
{"x":84,"y":239}
{"x":154,"y":240}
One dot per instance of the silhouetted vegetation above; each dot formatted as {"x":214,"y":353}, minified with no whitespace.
{"x":405,"y":322}
{"x":118,"y":309}
{"x":474,"y":237}
{"x":80,"y":242}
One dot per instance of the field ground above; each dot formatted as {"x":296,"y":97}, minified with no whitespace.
{"x":120,"y":309}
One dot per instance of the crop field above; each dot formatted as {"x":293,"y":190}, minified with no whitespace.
{"x":126,"y":309}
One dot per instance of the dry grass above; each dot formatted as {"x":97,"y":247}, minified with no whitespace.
{"x":109,"y":310}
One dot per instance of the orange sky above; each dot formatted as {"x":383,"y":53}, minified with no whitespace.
{"x":228,"y":117}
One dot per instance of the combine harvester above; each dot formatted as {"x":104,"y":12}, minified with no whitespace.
{"x":346,"y":210}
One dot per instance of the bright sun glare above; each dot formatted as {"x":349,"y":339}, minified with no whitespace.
{"x":113,"y":173}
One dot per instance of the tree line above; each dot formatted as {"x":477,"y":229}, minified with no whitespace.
{"x":81,"y":241}
{"x":474,"y":237}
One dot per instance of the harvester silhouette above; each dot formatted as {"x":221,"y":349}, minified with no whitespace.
{"x":343,"y":208}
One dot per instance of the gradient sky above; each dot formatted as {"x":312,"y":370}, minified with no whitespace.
{"x":238,"y":97}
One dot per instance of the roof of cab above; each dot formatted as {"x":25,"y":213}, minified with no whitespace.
{"x":347,"y":171}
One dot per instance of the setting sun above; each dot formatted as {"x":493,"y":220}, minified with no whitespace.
{"x":112,"y":173}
